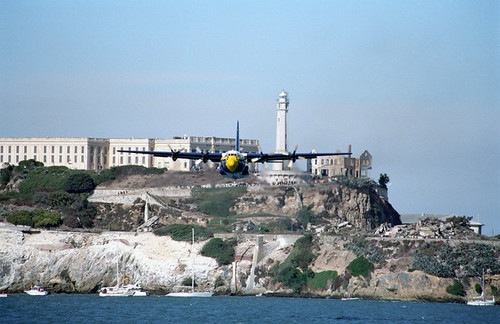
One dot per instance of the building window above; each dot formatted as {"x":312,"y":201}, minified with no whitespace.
{"x":60,"y":158}
{"x":114,"y":150}
{"x":68,"y":160}
{"x":121,"y":160}
{"x":53,"y":149}
{"x":45,"y":149}
{"x":25,"y":157}
{"x":83,"y":149}
{"x":1,"y":149}
{"x":60,"y":149}
{"x":17,"y":149}
{"x":67,"y":150}
{"x":45,"y":159}
{"x":76,"y":149}
{"x":143,"y":160}
{"x":9,"y":150}
{"x":136,"y":160}
{"x":25,"y":149}
{"x":83,"y":158}
{"x":114,"y":159}
{"x":76,"y":159}
{"x":34,"y":149}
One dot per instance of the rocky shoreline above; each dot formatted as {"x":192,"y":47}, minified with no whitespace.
{"x":76,"y":262}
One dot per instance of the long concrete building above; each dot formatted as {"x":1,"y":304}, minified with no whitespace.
{"x":101,"y":153}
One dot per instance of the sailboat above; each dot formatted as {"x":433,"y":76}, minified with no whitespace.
{"x":480,"y":300}
{"x":116,"y":291}
{"x":191,"y":292}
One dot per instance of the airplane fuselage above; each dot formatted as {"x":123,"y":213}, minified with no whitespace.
{"x":233,"y":165}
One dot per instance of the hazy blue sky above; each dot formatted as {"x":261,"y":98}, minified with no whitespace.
{"x":416,"y":83}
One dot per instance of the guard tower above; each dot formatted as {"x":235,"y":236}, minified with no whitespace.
{"x":282,"y":128}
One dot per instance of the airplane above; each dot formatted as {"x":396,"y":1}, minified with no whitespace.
{"x":233,"y":163}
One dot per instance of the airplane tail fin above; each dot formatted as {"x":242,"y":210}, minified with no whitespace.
{"x":237,"y":147}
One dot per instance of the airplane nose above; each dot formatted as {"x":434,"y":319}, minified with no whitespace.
{"x":232,"y":163}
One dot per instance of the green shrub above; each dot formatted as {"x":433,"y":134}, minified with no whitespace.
{"x":292,"y":277}
{"x":79,"y":183}
{"x":219,"y":282}
{"x":6,"y":174}
{"x":456,"y":288}
{"x":360,"y":267}
{"x":305,"y":216}
{"x":320,"y":279}
{"x":45,"y":218}
{"x":222,"y":251}
{"x":21,"y":217}
{"x":37,"y":218}
{"x":183,"y":232}
{"x":44,"y":179}
{"x":478,"y":288}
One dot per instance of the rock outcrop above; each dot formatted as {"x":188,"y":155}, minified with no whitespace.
{"x":334,"y":203}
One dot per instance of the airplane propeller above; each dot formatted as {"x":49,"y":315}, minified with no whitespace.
{"x":294,"y":157}
{"x":175,"y":154}
{"x":205,"y":156}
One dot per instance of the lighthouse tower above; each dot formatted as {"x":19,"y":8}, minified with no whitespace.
{"x":282,"y":128}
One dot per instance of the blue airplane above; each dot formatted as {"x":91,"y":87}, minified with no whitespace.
{"x":233,"y":163}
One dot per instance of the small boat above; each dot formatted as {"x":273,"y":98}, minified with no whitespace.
{"x":350,"y":298}
{"x":3,"y":295}
{"x":190,"y":292}
{"x":481,"y":301}
{"x":36,"y":291}
{"x":116,"y":291}
{"x":137,"y":290}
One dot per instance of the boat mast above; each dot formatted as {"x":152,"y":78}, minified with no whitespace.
{"x":192,"y":262}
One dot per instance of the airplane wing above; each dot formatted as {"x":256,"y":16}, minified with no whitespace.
{"x":214,"y":157}
{"x":272,"y":157}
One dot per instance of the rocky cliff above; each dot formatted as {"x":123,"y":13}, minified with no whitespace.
{"x":332,"y":203}
{"x":83,"y":262}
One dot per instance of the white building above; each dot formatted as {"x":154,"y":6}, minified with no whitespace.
{"x":74,"y":153}
{"x":98,"y":153}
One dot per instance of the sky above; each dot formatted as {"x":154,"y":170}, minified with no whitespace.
{"x":416,"y":83}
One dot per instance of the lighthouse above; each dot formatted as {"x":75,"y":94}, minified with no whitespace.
{"x":282,"y":128}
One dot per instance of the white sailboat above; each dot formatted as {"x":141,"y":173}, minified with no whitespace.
{"x":480,"y":300}
{"x":191,"y":292}
{"x":116,"y":291}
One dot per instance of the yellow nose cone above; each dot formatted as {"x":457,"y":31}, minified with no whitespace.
{"x":232,"y":163}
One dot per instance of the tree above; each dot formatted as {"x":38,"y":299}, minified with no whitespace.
{"x":6,"y":173}
{"x":79,"y":183}
{"x":383,"y":180}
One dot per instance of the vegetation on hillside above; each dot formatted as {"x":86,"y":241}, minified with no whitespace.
{"x":222,"y":251}
{"x":183,"y":232}
{"x":360,"y":267}
{"x":465,"y":260}
{"x":456,"y":288}
{"x":58,"y":189}
{"x":294,"y":272}
{"x":36,"y":218}
{"x":217,"y":201}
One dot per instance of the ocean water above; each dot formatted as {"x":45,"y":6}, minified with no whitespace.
{"x":22,"y":308}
